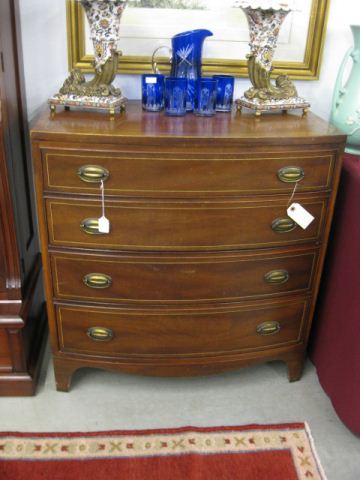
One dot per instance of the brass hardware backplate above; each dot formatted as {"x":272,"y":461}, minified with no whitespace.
{"x":97,"y":280}
{"x":277,"y":277}
{"x":100,"y":334}
{"x":90,"y":226}
{"x":283,"y":225}
{"x":268,"y":328}
{"x":93,"y":173}
{"x":291,"y":174}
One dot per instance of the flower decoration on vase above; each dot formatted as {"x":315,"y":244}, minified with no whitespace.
{"x":104,"y":20}
{"x":265,"y":18}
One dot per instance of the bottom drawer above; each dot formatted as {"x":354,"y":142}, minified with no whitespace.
{"x":118,"y":331}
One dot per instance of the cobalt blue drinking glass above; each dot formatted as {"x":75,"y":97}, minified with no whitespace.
{"x":225,"y":92}
{"x":205,"y":96}
{"x":153,"y":92}
{"x":175,"y":96}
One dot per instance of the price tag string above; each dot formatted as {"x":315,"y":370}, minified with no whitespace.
{"x":293,"y":193}
{"x":104,"y":224}
{"x":102,"y":198}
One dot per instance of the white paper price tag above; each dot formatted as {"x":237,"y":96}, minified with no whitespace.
{"x":104,"y":225}
{"x":150,"y":80}
{"x":301,"y":216}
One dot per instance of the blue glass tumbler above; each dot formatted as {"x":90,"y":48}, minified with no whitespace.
{"x":205,"y":96}
{"x":175,"y":96}
{"x":225,"y":92}
{"x":152,"y":92}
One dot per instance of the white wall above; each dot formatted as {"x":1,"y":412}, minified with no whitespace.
{"x":44,"y":36}
{"x":343,"y":13}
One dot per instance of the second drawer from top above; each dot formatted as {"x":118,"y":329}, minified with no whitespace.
{"x":182,"y":226}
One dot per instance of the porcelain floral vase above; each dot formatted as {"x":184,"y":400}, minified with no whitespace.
{"x":265,"y":18}
{"x":104,"y":20}
{"x":345,"y":113}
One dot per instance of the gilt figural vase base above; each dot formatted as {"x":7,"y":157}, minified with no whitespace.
{"x":98,"y":93}
{"x":110,"y":103}
{"x":272,"y":105}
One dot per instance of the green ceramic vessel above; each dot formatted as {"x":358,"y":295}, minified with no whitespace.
{"x":345,"y":113}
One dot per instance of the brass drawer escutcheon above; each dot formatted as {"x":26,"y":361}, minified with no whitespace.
{"x":90,"y":226}
{"x":276,"y":277}
{"x":100,"y":334}
{"x":291,"y":174}
{"x":283,"y":225}
{"x":97,"y":280}
{"x":268,"y":328}
{"x":93,"y":173}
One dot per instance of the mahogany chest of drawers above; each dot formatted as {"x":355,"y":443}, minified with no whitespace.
{"x":202,"y":270}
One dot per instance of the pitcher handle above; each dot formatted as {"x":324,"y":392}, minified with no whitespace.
{"x":153,"y":58}
{"x":339,"y":90}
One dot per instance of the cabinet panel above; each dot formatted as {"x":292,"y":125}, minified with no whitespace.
{"x":2,"y":262}
{"x":5,"y":356}
{"x":21,"y":330}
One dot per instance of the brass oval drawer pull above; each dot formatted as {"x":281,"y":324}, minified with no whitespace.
{"x":93,"y":173}
{"x":291,"y":174}
{"x":276,"y":277}
{"x":268,"y":328}
{"x":90,"y":226}
{"x":100,"y":334}
{"x":97,"y":280}
{"x":283,"y":225}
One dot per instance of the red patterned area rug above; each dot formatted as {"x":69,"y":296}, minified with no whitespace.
{"x":253,"y":452}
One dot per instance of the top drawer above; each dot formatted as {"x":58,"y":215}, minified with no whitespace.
{"x":180,"y":174}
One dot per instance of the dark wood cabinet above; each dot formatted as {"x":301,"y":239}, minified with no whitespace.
{"x":22,"y":311}
{"x":202,"y":270}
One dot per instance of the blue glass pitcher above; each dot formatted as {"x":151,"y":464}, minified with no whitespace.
{"x":186,"y":54}
{"x":186,"y":59}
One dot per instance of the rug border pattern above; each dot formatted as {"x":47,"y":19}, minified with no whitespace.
{"x":295,"y":438}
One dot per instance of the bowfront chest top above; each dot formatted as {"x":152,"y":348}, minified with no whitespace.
{"x":202,"y":270}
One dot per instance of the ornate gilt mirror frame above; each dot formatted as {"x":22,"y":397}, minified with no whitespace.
{"x":308,"y":69}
